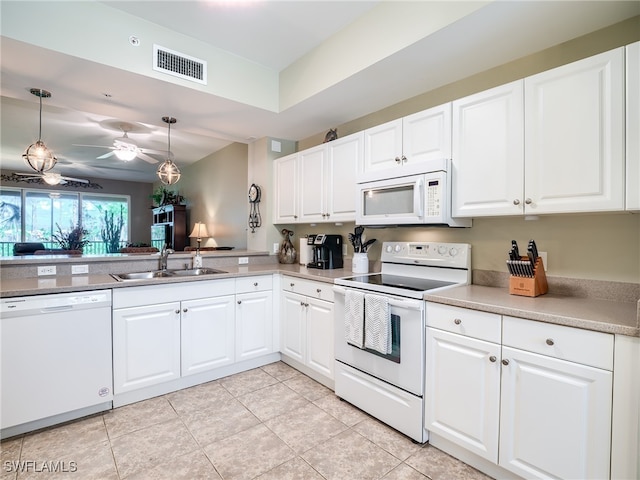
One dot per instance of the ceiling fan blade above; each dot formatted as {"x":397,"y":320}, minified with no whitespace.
{"x":93,"y":146}
{"x":153,"y":152}
{"x":29,"y":175}
{"x":146,"y":158}
{"x":72,"y":179}
{"x":106,"y":155}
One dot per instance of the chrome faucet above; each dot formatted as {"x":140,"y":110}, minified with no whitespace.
{"x":164,"y":255}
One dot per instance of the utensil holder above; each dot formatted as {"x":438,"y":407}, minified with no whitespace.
{"x":530,"y":286}
{"x":360,"y":263}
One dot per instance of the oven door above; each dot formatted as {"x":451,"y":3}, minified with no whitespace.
{"x":402,"y":368}
{"x":391,"y":202}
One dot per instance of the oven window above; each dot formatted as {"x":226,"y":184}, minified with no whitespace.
{"x":394,"y":356}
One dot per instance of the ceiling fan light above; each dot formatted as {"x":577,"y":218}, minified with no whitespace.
{"x":39,"y":158}
{"x":168,"y":172}
{"x":126,"y":154}
{"x":52,"y":178}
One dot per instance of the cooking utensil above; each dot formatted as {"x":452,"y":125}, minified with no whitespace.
{"x":366,"y":245}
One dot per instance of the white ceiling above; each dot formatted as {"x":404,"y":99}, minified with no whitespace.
{"x":274,"y":34}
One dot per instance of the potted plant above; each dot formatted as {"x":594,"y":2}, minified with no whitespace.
{"x":72,"y":240}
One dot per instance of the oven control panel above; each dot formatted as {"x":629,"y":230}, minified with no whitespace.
{"x":427,"y":253}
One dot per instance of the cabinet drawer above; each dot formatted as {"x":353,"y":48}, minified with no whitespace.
{"x":471,"y":323}
{"x":566,"y":343}
{"x":309,"y":288}
{"x":254,"y":284}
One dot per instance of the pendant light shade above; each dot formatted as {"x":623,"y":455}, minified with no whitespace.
{"x":37,"y":156}
{"x":168,"y":171}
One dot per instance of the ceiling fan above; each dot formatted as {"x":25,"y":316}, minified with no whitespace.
{"x":126,"y":150}
{"x":52,"y":178}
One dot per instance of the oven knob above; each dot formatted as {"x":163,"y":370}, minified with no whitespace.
{"x":453,"y":252}
{"x":442,"y":249}
{"x":397,"y":248}
{"x":389,"y":248}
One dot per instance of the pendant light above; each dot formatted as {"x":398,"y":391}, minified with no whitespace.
{"x":168,"y":171}
{"x":38,"y":156}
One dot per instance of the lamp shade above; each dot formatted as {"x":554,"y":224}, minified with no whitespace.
{"x":199,"y":231}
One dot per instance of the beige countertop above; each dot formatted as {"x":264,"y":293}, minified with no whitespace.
{"x":587,"y":313}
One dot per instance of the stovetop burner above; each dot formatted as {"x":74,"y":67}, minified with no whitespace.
{"x":407,"y":283}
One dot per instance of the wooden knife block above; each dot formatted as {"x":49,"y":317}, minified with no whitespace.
{"x":530,"y":286}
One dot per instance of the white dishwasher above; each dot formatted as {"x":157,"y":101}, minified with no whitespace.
{"x":56,"y":359}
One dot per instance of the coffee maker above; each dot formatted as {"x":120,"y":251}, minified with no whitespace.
{"x":327,"y":251}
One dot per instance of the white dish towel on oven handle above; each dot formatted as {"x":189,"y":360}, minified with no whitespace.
{"x":354,"y":318}
{"x":377,"y":323}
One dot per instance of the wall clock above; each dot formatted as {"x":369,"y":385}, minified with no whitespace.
{"x":255,"y":220}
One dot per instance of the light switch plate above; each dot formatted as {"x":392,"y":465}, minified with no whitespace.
{"x":46,"y":270}
{"x":78,"y":269}
{"x":243,"y":260}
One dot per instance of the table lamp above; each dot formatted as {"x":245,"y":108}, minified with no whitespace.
{"x":199,"y":232}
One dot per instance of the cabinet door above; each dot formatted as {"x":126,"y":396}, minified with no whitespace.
{"x":426,"y":136}
{"x":382,"y":151}
{"x":254,"y":329}
{"x":463,"y":391}
{"x":313,"y":181}
{"x":320,"y":336}
{"x":285,"y":180}
{"x":293,"y":326}
{"x":146,"y":346}
{"x":488,"y":152}
{"x":633,"y":126}
{"x":574,"y":136}
{"x":207,"y":334}
{"x":555,"y":417}
{"x":343,"y":157}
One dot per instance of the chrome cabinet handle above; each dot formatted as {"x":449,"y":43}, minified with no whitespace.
{"x":550,"y":342}
{"x":492,"y":359}
{"x":457,"y":321}
{"x":255,"y":284}
{"x":398,"y":161}
{"x":516,"y":202}
{"x":404,"y":159}
{"x":178,"y":310}
{"x":319,"y":290}
{"x":505,"y":362}
{"x":306,"y":304}
{"x":528,"y":201}
{"x":185,"y":309}
{"x":239,"y":302}
{"x":302,"y":304}
{"x":291,"y":284}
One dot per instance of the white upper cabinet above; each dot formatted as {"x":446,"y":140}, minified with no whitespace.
{"x":574,"y":136}
{"x":401,"y":147}
{"x":285,"y":182}
{"x":318,"y":184}
{"x":633,"y":126}
{"x":488,"y":152}
{"x":571,"y":156}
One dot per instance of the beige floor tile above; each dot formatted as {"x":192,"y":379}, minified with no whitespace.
{"x":295,"y":469}
{"x":404,"y":472}
{"x":343,"y":411}
{"x":307,"y":387}
{"x":127,"y":419}
{"x":280,"y":371}
{"x":192,"y":466}
{"x":387,"y":438}
{"x":248,"y":454}
{"x":9,"y":454}
{"x":138,"y":450}
{"x":196,"y":398}
{"x":350,"y":456}
{"x":219,"y":421}
{"x":245,"y":382}
{"x":437,"y":465}
{"x":53,"y":443}
{"x":89,"y":462}
{"x":305,"y":427}
{"x":272,"y":401}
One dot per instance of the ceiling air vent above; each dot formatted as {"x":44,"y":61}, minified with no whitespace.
{"x":179,"y":65}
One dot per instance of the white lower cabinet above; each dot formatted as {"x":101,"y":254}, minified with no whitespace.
{"x":307,"y":324}
{"x":254,"y":318}
{"x":531,"y":397}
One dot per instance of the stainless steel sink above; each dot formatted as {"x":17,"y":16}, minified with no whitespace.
{"x":189,"y":272}
{"x":193,"y":272}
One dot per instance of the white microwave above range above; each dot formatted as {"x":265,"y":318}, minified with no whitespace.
{"x":423,"y":199}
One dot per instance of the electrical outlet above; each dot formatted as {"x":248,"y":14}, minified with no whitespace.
{"x":77,"y":269}
{"x":243,"y":260}
{"x":276,"y":247}
{"x":543,"y":255}
{"x":47,"y":270}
